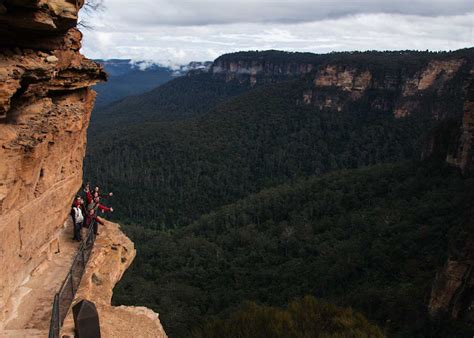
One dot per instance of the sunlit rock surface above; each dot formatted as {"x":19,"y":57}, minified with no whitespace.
{"x":45,"y":107}
{"x":112,"y":254}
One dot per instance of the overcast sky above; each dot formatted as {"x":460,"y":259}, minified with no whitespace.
{"x":175,"y":32}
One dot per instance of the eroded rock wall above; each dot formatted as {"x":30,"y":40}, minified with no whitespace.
{"x":45,"y":105}
{"x":397,"y":91}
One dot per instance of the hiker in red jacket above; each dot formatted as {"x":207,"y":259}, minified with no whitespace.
{"x":95,"y":206}
{"x":91,"y":216}
{"x":95,"y":193}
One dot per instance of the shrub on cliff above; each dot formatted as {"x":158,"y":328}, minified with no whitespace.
{"x":303,"y":318}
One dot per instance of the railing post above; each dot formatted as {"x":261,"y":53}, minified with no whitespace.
{"x":54,"y":326}
{"x":83,"y":259}
{"x":72,"y":284}
{"x":58,"y":316}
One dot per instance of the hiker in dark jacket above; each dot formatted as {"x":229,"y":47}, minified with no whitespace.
{"x":77,"y":214}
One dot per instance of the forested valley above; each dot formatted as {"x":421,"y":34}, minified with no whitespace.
{"x":251,"y":209}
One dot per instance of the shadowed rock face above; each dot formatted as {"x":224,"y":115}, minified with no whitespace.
{"x":463,"y":157}
{"x":452,"y":293}
{"x":45,"y":105}
{"x":39,"y":24}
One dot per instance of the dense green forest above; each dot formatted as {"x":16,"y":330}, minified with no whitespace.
{"x":198,"y":92}
{"x":369,"y":238}
{"x":183,"y":97}
{"x":168,"y":173}
{"x":388,"y":58}
{"x":234,"y":193}
{"x":133,"y":82}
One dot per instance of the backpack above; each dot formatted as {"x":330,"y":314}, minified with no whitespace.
{"x":78,"y":215}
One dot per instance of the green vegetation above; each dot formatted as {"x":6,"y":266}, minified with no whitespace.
{"x":235,"y":194}
{"x":369,"y":238}
{"x":181,"y":98}
{"x":133,"y":82}
{"x":304,"y":318}
{"x":166,"y":174}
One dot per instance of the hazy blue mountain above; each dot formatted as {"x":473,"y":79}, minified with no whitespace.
{"x":127,"y":77}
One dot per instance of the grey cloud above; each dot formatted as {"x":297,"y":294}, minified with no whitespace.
{"x":180,"y":44}
{"x":206,"y":12}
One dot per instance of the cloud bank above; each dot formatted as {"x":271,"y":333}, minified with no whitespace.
{"x":175,"y":33}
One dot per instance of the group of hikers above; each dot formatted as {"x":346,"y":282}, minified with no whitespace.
{"x":84,"y":213}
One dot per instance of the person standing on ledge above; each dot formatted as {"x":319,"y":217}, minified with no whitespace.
{"x":93,"y":207}
{"x":77,"y":214}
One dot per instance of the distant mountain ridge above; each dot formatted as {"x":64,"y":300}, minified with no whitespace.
{"x":115,"y":67}
{"x":393,"y":81}
{"x":128,"y":77}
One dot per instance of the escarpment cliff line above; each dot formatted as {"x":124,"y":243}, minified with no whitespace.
{"x":45,"y":106}
{"x":399,"y":83}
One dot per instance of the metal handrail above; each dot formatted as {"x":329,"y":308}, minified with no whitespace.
{"x":64,"y":297}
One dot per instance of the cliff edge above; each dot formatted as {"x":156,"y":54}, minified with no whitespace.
{"x":112,"y":254}
{"x":45,"y":107}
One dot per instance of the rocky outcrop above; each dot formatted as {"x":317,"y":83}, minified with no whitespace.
{"x":436,"y":71}
{"x":452,"y":292}
{"x":45,"y":105}
{"x":39,"y":24}
{"x":111,"y":256}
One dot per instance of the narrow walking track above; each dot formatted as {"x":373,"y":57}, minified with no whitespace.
{"x":29,"y":309}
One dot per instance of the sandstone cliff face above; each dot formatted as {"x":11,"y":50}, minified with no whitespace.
{"x":400,"y":93}
{"x":249,"y":71}
{"x":452,"y":293}
{"x":402,"y":89}
{"x":45,"y":105}
{"x":112,"y":254}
